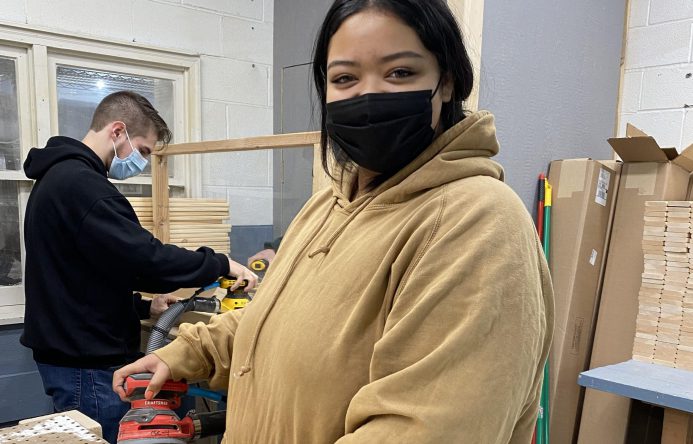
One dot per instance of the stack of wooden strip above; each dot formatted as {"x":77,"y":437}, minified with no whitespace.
{"x":664,"y":327}
{"x":193,"y":222}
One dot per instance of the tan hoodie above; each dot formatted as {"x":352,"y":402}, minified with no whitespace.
{"x":420,"y":312}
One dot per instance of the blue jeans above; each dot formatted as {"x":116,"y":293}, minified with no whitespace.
{"x":87,"y":390}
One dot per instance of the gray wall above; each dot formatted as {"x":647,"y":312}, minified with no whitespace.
{"x":295,"y":27}
{"x":550,"y":74}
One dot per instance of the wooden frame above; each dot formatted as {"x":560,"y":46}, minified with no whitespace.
{"x":160,"y":195}
{"x":470,"y":16}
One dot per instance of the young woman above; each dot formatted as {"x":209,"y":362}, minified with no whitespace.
{"x":409,"y":303}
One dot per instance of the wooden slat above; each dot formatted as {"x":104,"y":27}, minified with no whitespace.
{"x":200,"y":237}
{"x":182,"y":227}
{"x":216,"y":248}
{"x":211,"y":219}
{"x":175,"y":200}
{"x":470,"y":15}
{"x":206,"y":235}
{"x":320,"y":179}
{"x":160,"y":196}
{"x":293,"y":140}
{"x":204,"y":244}
{"x":214,"y":214}
{"x":210,"y":207}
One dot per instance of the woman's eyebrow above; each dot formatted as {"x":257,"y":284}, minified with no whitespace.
{"x":341,"y":63}
{"x":401,"y":55}
{"x":385,"y":59}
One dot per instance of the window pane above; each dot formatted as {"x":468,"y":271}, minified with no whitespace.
{"x":80,"y":90}
{"x":10,"y":252}
{"x":10,"y":154}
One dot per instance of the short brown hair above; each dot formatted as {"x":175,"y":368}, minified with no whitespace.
{"x":135,"y":111}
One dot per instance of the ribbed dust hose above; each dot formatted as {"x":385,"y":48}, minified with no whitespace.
{"x":160,"y":330}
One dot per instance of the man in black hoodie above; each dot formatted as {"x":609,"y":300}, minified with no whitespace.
{"x":86,"y":253}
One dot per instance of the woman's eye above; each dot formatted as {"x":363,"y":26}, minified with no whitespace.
{"x":400,"y":73}
{"x":343,"y":79}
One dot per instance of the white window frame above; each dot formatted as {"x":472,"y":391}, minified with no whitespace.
{"x":56,"y":58}
{"x":14,"y":295}
{"x":37,"y":53}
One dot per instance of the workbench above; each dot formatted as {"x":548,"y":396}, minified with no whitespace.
{"x":69,"y":427}
{"x":663,"y":386}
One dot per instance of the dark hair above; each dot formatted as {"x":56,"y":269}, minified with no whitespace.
{"x":439,"y":32}
{"x":135,"y":111}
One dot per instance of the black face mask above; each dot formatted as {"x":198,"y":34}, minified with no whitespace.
{"x":382,"y":132}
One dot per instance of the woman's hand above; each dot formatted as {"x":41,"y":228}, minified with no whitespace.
{"x":242,"y":273}
{"x":149,"y":364}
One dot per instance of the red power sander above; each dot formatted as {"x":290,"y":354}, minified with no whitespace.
{"x":153,"y":421}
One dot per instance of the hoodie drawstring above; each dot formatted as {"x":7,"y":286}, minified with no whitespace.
{"x":326,"y":247}
{"x":246,"y":367}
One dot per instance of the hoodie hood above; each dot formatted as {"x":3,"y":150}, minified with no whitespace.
{"x":58,"y":149}
{"x":462,"y":151}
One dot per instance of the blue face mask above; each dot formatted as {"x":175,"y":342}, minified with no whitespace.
{"x":131,"y":166}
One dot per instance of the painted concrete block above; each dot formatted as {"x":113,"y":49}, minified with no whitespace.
{"x":638,"y":13}
{"x":13,"y":11}
{"x":668,"y":87}
{"x":215,"y":193}
{"x":668,"y":10}
{"x":99,"y":18}
{"x":632,"y":84}
{"x":664,"y":126}
{"x":248,"y":121}
{"x":251,"y":206}
{"x":239,"y":169}
{"x":658,"y":45}
{"x":241,"y":8}
{"x":175,"y":27}
{"x":234,"y":81}
{"x":269,"y":11}
{"x":687,"y":133}
{"x":247,"y":205}
{"x":213,"y":121}
{"x":247,"y":40}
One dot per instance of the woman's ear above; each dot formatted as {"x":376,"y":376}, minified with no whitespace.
{"x":446,"y":88}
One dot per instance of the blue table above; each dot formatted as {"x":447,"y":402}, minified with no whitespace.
{"x":670,"y":388}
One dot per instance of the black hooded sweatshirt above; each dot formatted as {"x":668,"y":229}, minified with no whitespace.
{"x":86,"y":253}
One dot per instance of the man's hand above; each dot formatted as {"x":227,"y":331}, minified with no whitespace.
{"x":160,"y":304}
{"x":149,"y":364}
{"x":242,"y":273}
{"x":267,"y":255}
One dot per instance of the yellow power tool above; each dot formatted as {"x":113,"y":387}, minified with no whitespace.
{"x":239,"y":298}
{"x":234,"y":299}
{"x":259,"y":265}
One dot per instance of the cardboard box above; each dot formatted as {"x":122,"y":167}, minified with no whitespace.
{"x":648,"y":173}
{"x":584,"y":196}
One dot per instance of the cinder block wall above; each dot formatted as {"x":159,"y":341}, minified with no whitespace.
{"x":234,"y":41}
{"x":657,"y":93}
